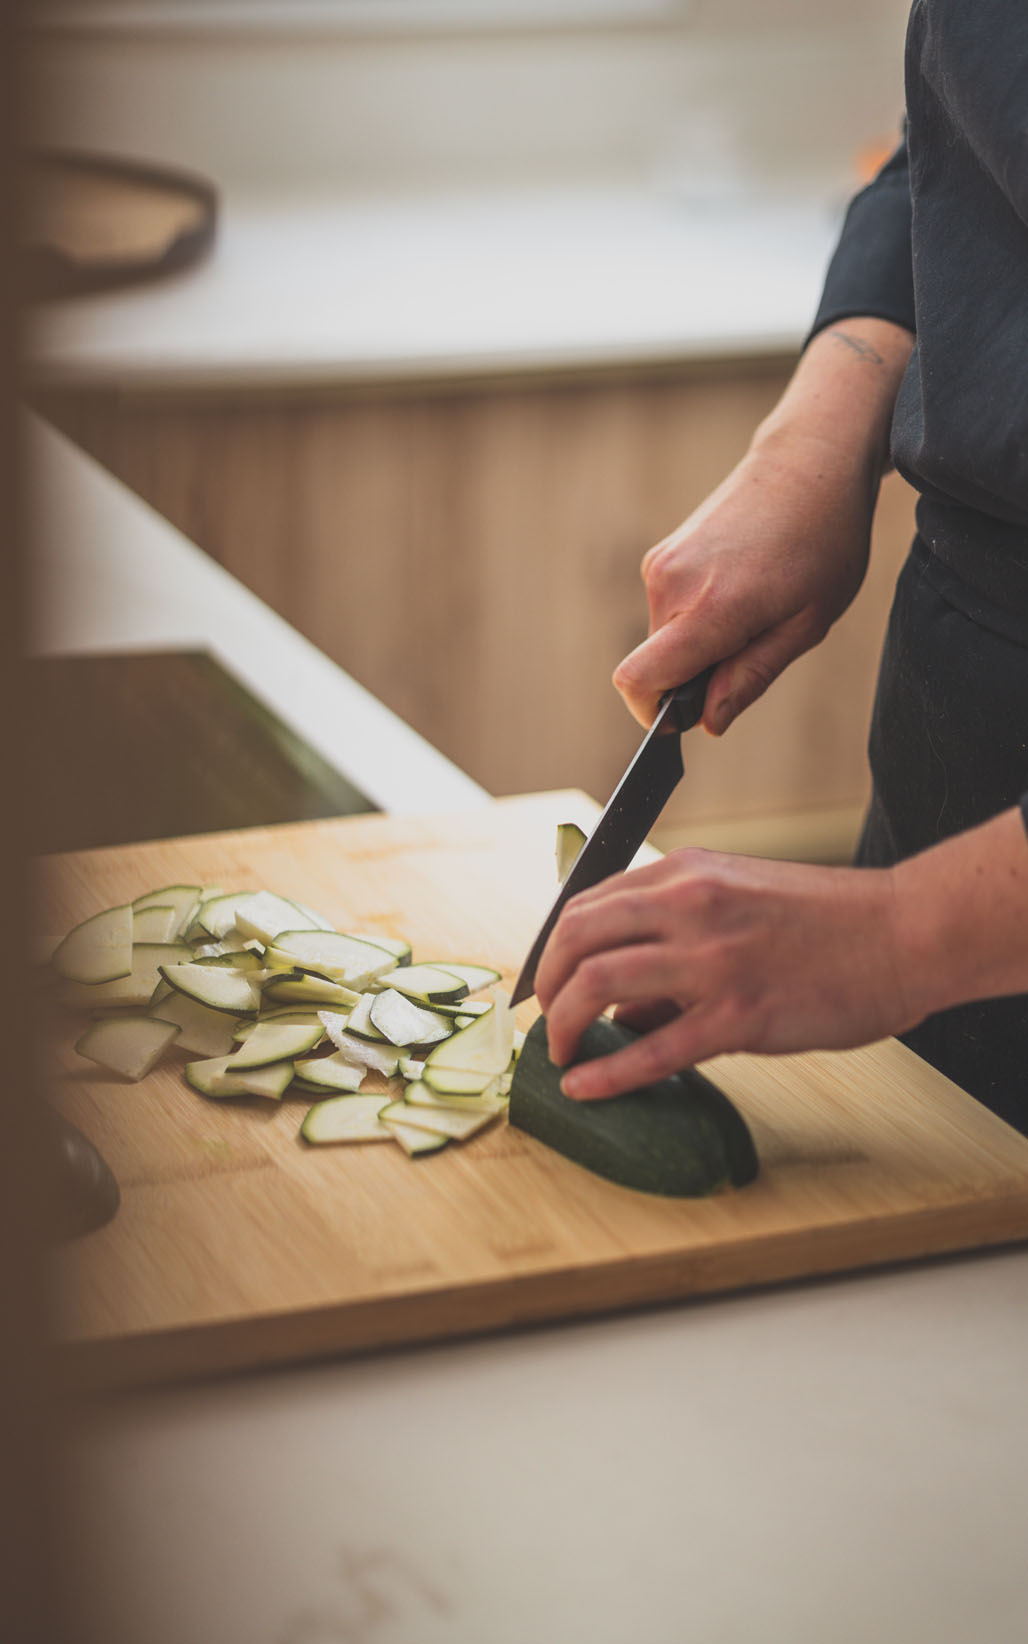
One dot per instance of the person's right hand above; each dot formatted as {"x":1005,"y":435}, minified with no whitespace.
{"x":758,"y":574}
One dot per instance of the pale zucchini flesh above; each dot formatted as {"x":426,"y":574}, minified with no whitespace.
{"x":416,"y":1142}
{"x":135,"y":989}
{"x":426,"y":984}
{"x":402,"y":1022}
{"x":216,"y":986}
{"x":203,"y":1031}
{"x":441,"y":1121}
{"x":98,"y":950}
{"x":275,"y":1042}
{"x":129,"y":1045}
{"x":346,"y":1119}
{"x":330,"y":1073}
{"x":215,"y":1078}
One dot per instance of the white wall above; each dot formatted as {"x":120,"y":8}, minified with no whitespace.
{"x":737,"y":95}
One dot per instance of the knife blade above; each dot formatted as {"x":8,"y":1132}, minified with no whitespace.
{"x":630,"y":812}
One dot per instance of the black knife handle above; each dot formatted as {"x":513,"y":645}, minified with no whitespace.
{"x":687,"y":700}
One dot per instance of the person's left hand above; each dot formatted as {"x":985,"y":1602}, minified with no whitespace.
{"x":708,"y":953}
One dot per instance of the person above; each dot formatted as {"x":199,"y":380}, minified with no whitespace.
{"x":919,"y":356}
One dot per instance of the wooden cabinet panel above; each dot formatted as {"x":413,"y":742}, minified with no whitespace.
{"x":472,"y":556}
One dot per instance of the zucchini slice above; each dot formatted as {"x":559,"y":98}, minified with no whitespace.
{"x":265,"y":915}
{"x":358,"y":1020}
{"x":426,"y":984}
{"x":274,"y":1042}
{"x":359,"y":1052}
{"x":216,"y":1079}
{"x":129,"y":1045}
{"x":570,"y":839}
{"x":304,"y":988}
{"x":201,"y":1030}
{"x":184,"y":898}
{"x":137,"y":988}
{"x":476,"y":976}
{"x":346,"y":959}
{"x":398,"y":1019}
{"x":680,"y":1137}
{"x":217,"y":914}
{"x":216,"y":986}
{"x":456,"y":1081}
{"x":483,"y":1048}
{"x":400,"y":950}
{"x":156,"y":924}
{"x":441,"y":1121}
{"x":415,"y":1142}
{"x":99,"y":950}
{"x":329,"y":1073}
{"x":346,"y":1119}
{"x":420,"y":1094}
{"x":233,"y":958}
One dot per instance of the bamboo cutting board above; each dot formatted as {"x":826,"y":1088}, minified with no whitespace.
{"x":237,"y":1246}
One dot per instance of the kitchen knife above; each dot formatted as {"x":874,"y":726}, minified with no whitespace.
{"x":631,"y":810}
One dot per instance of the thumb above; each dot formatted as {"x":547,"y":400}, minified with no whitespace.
{"x":667,"y":658}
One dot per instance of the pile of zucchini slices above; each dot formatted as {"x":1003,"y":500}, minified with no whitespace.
{"x":269,"y":997}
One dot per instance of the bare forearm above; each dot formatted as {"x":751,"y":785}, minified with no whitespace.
{"x":843,"y":392}
{"x":962,"y":917}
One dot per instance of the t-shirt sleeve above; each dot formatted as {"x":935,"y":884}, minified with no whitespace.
{"x":871,"y":270}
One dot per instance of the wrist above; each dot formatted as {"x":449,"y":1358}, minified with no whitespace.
{"x":961,"y":912}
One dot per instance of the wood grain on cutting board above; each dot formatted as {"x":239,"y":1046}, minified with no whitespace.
{"x":236,"y":1245}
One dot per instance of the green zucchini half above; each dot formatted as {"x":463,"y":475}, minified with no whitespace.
{"x":680,"y":1137}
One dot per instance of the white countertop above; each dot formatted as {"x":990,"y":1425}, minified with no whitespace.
{"x":321,"y":290}
{"x":836,"y":1462}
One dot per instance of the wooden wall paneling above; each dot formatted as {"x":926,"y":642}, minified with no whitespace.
{"x":472,"y":556}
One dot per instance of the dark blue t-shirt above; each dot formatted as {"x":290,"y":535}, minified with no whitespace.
{"x":938,"y":243}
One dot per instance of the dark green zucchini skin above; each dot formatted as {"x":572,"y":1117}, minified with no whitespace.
{"x":680,"y":1137}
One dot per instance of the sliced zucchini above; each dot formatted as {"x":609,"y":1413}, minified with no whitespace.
{"x":359,"y":1052}
{"x":217,"y":914}
{"x":304,"y":1018}
{"x":156,"y":924}
{"x":346,"y":959}
{"x":441,"y":1121}
{"x":400,"y":950}
{"x":456,"y":1081}
{"x":420,"y":1094}
{"x":137,"y":988}
{"x":215,"y":1078}
{"x":570,"y":839}
{"x":411,"y":1067}
{"x":399,"y":1020}
{"x":346,"y":1119}
{"x":484,"y":1047}
{"x":204,"y":1031}
{"x":184,"y":898}
{"x":681,"y":1136}
{"x":129,"y":1045}
{"x":97,"y":951}
{"x":330,"y":1073}
{"x":426,"y":984}
{"x":233,"y":958}
{"x":475,"y":976}
{"x":265,"y":915}
{"x":216,"y":986}
{"x":414,"y":1141}
{"x":358,"y":1020}
{"x":303,"y":987}
{"x":318,"y":920}
{"x":274,"y":1042}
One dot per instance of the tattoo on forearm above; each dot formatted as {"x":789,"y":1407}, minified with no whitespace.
{"x":859,"y":346}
